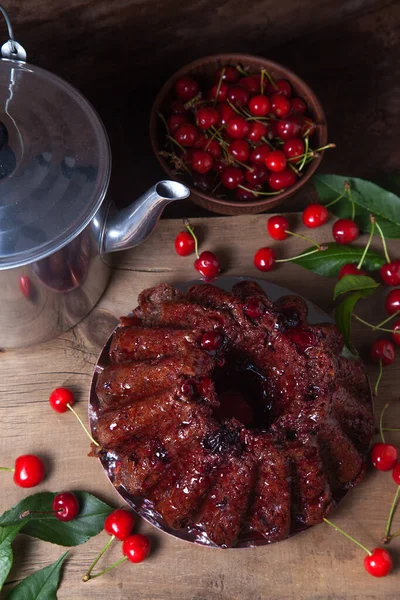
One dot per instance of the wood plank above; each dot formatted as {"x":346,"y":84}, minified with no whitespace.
{"x":319,"y":564}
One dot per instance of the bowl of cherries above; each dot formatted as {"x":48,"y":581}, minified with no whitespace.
{"x":242,"y":132}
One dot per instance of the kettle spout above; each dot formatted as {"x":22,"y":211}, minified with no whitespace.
{"x":130,"y":226}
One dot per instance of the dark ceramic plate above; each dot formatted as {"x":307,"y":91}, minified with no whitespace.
{"x":144,"y":507}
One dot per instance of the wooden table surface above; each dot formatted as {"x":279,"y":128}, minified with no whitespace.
{"x":316,"y":565}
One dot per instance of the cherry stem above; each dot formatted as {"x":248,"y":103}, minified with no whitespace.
{"x":389,"y":429}
{"x":242,"y":71}
{"x":364,"y":254}
{"x":295,"y":170}
{"x":7,"y":469}
{"x":381,"y":422}
{"x":83,"y":426}
{"x":266,"y":141}
{"x":190,"y":229}
{"x":215,"y":133}
{"x":268,"y":76}
{"x":116,"y":564}
{"x":378,"y":382}
{"x":234,"y":108}
{"x":173,"y":140}
{"x":390,"y":519}
{"x":303,"y":162}
{"x":87,"y":576}
{"x":219,"y":86}
{"x":342,"y":195}
{"x":161,"y":116}
{"x":387,"y":538}
{"x":319,"y":249}
{"x":348,"y":536}
{"x":386,"y":320}
{"x":303,"y":237}
{"x":385,"y":250}
{"x":378,"y":327}
{"x":257,"y":193}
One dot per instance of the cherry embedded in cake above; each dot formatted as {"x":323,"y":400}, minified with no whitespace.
{"x":240,"y":427}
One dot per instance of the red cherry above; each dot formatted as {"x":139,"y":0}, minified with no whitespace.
{"x":226,"y":113}
{"x":383,"y":456}
{"x":288,"y":128}
{"x":308,"y":126}
{"x":294,"y":147}
{"x":184,"y":243}
{"x":187,"y":157}
{"x":119,"y":524}
{"x":208,"y":265}
{"x":213,"y":148}
{"x":350,"y":269}
{"x":237,"y":96}
{"x":203,"y":182}
{"x":202,"y":162}
{"x":257,"y":131}
{"x":257,"y":175}
{"x":240,"y":150}
{"x":220,"y":90}
{"x":280,"y":87}
{"x":237,"y":127}
{"x":254,"y":309}
{"x":259,"y":154}
{"x":186,"y":135}
{"x":174,"y":121}
{"x":219,"y":166}
{"x":211,"y":341}
{"x":390,"y":273}
{"x":136,"y":548}
{"x":207,"y":117}
{"x":28,"y":470}
{"x":280,"y":106}
{"x":25,"y":285}
{"x":264,"y":259}
{"x":246,"y":195}
{"x":396,"y":332}
{"x":383,"y":350}
{"x":379,"y":564}
{"x":298,"y":106}
{"x":259,"y":105}
{"x":251,"y":84}
{"x":315,"y":215}
{"x":345,"y":231}
{"x":396,"y":473}
{"x":277,"y":227}
{"x":283,"y":180}
{"x":231,"y":75}
{"x":392,"y":303}
{"x":186,"y":88}
{"x":231,"y":177}
{"x":276,"y":161}
{"x":177,"y":107}
{"x":60,"y":398}
{"x":65,"y":506}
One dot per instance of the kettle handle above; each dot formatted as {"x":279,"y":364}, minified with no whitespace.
{"x":11,"y":49}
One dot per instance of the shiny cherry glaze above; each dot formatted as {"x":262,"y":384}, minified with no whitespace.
{"x":60,"y":398}
{"x":264,"y":259}
{"x":345,"y":231}
{"x":315,"y":215}
{"x":390,"y":273}
{"x":184,"y":243}
{"x":254,"y":309}
{"x":383,"y":350}
{"x":379,"y":564}
{"x":136,"y":548}
{"x":211,"y":341}
{"x":28,"y":470}
{"x":392,"y":303}
{"x":277,"y":227}
{"x":119,"y":524}
{"x":66,"y":506}
{"x":208,"y":265}
{"x":350,"y":269}
{"x":384,"y":456}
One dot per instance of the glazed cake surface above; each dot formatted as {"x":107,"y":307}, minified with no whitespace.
{"x":262,"y":435}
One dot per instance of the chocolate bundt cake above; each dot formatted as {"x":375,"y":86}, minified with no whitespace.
{"x":230,"y":414}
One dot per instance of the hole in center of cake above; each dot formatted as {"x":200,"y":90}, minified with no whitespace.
{"x":241,"y":390}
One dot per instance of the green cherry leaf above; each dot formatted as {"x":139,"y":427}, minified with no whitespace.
{"x":329,"y":262}
{"x":34,"y":515}
{"x":368,"y":199}
{"x":41,"y":585}
{"x":352,"y":283}
{"x":344,"y":312}
{"x":7,"y":536}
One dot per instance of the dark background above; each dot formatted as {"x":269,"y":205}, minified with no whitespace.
{"x":119,"y":53}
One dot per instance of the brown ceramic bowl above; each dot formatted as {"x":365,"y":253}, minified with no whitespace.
{"x":203,"y":70}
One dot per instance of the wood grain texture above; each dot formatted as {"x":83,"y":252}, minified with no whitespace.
{"x":316,"y":565}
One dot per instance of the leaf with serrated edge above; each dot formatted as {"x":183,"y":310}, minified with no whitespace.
{"x":7,"y":536}
{"x":89,"y":522}
{"x":344,"y":312}
{"x":329,"y":262}
{"x":368,"y":199}
{"x":41,"y":585}
{"x":353,"y":283}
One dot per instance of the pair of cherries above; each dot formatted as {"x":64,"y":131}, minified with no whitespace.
{"x":206,"y":263}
